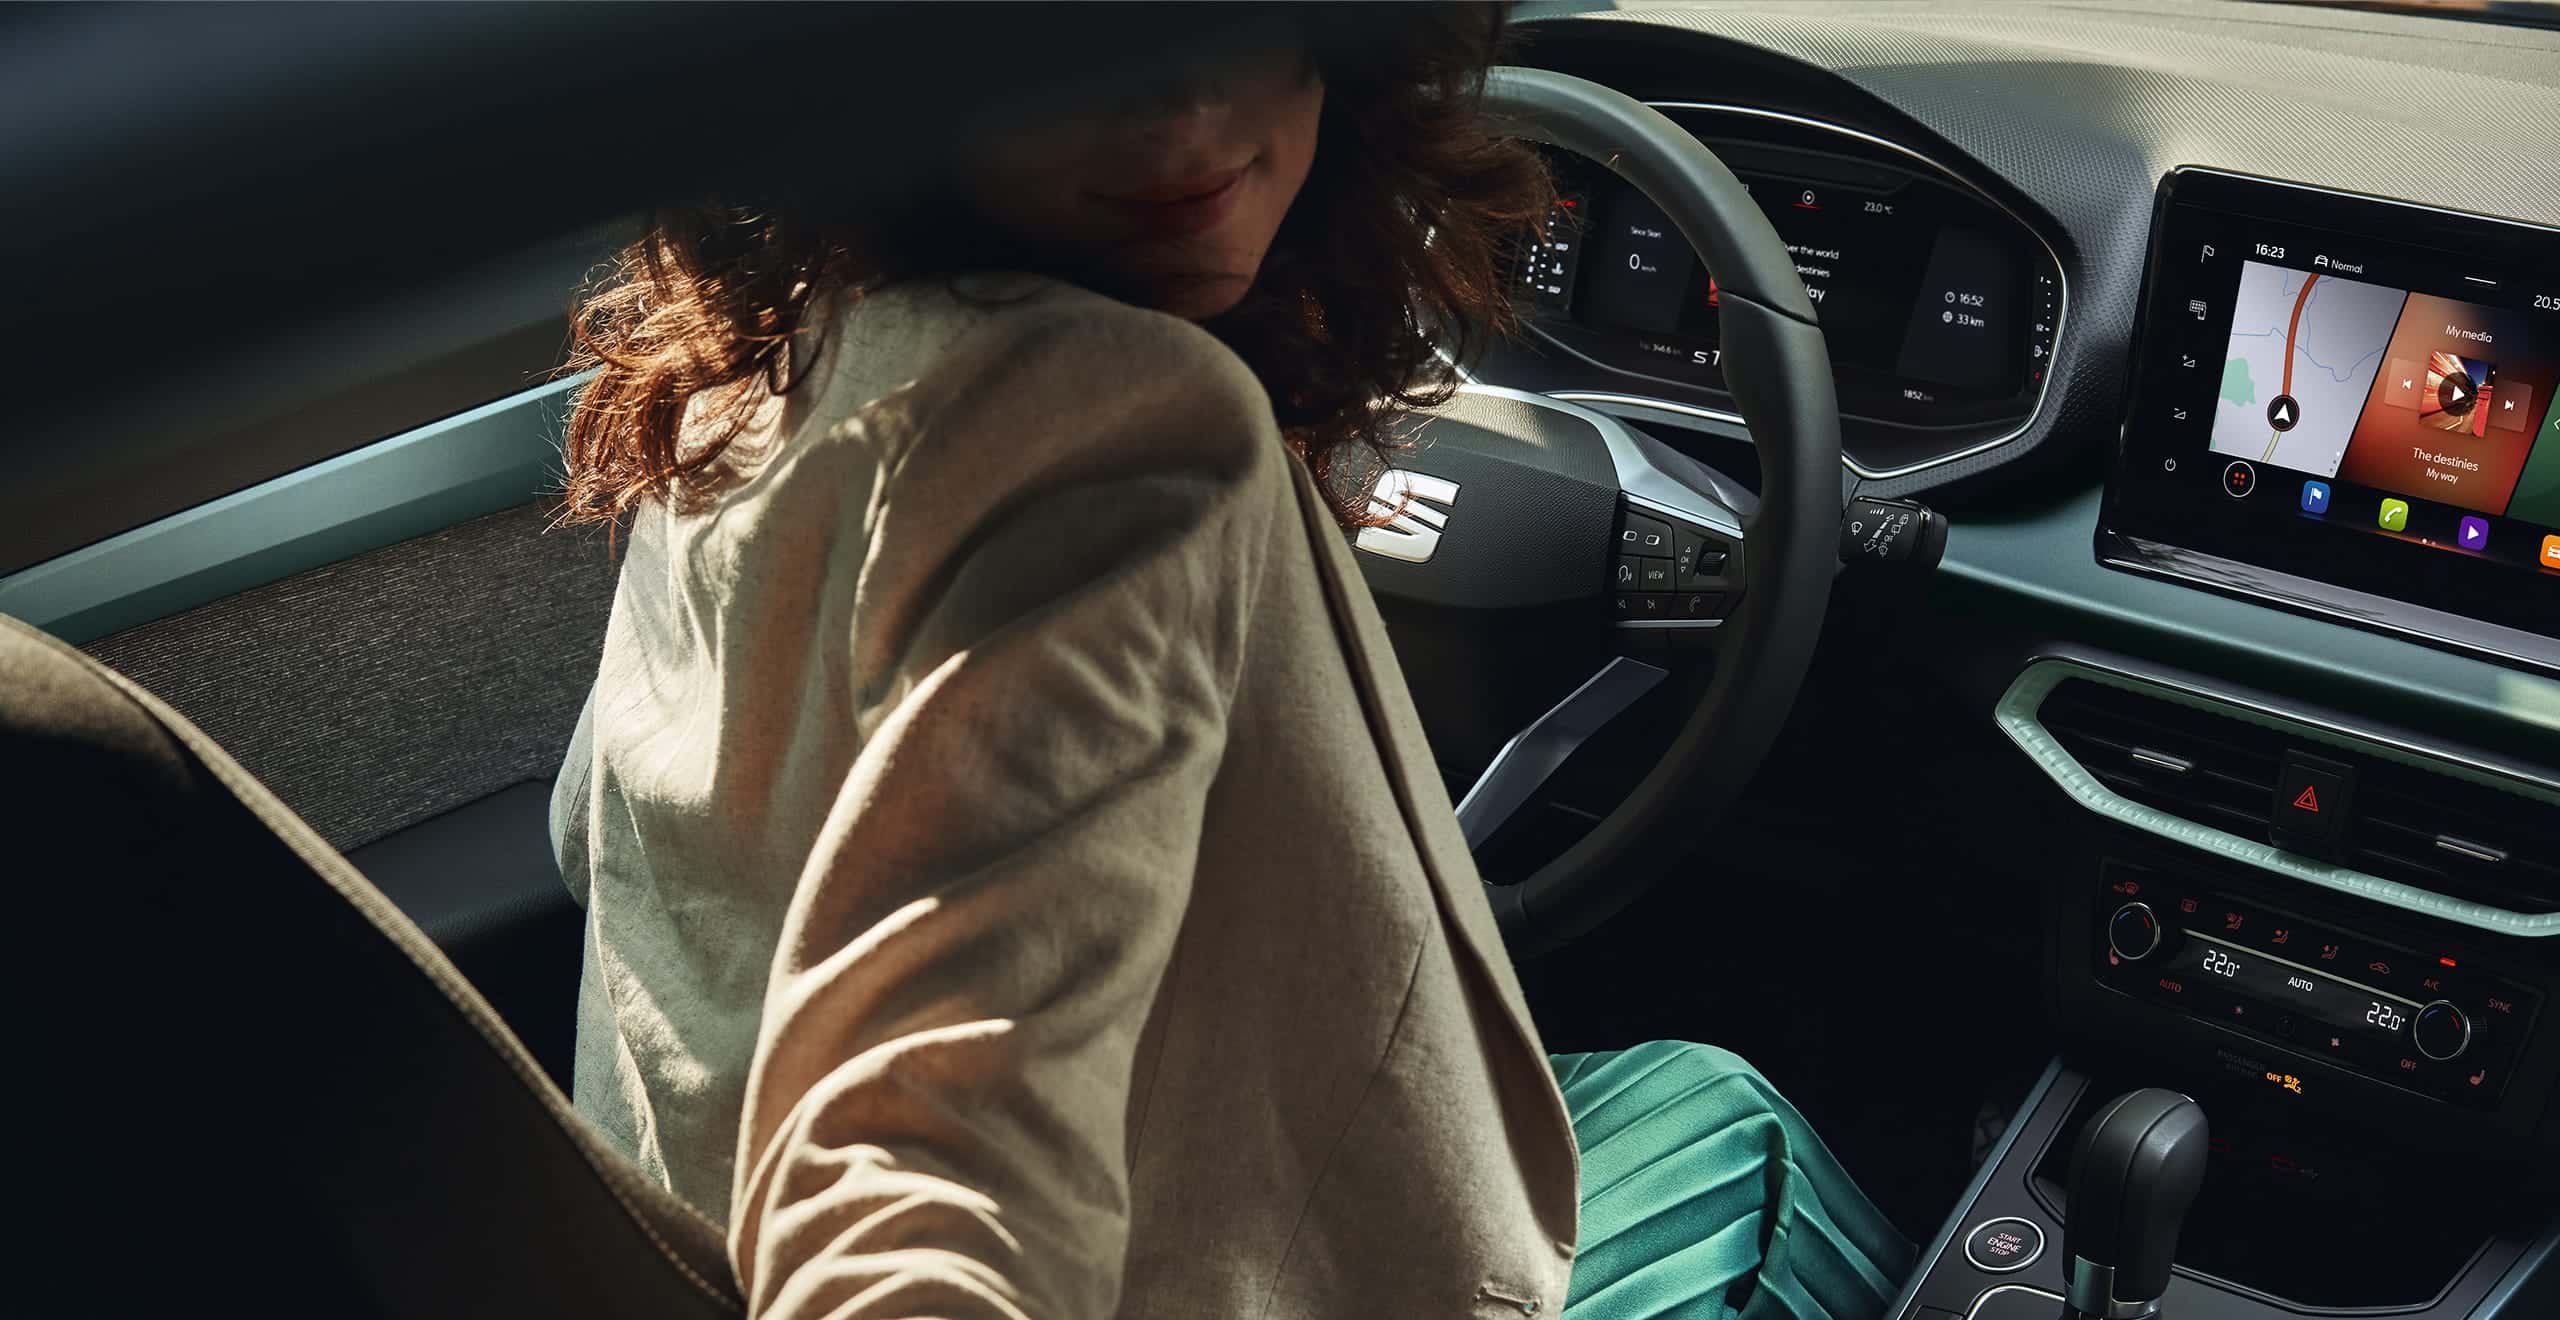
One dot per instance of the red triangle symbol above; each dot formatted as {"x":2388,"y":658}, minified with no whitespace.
{"x":2308,"y":801}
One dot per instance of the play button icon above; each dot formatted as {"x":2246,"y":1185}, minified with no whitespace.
{"x":2283,"y":412}
{"x":2475,"y":534}
{"x":2453,"y":393}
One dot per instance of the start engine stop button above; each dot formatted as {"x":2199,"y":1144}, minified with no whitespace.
{"x":2003,"y":1245}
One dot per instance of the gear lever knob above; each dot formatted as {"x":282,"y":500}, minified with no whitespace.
{"x":2133,"y":1176}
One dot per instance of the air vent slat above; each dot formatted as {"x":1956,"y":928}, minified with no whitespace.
{"x":2201,"y":810}
{"x":2372,"y":825}
{"x":2511,"y":828}
{"x":2237,"y":784}
{"x":2399,"y":811}
{"x":2242,"y":756}
{"x":2387,"y":861}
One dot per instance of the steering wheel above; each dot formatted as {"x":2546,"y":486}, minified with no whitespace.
{"x":1537,"y":536}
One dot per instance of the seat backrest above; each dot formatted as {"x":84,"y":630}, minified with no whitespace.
{"x":253,"y":1080}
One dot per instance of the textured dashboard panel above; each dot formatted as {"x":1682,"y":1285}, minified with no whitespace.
{"x":389,"y":688}
{"x":2082,"y":108}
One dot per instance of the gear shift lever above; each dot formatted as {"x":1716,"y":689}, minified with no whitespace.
{"x":2133,"y":1176}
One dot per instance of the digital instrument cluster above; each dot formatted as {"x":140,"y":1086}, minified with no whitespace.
{"x":1940,"y":310}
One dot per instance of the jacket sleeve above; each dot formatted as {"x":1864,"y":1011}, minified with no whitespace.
{"x":569,"y":811}
{"x":1051,"y":608}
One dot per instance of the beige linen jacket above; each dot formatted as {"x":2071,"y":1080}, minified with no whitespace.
{"x":1017,"y":884}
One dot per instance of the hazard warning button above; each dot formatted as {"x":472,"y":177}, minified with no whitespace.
{"x":2309,"y":814}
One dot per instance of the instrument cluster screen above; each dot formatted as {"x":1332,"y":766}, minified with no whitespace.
{"x":1937,"y":308}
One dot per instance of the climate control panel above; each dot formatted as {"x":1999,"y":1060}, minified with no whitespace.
{"x":2420,"y":1019}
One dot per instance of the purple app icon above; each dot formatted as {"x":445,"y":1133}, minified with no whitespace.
{"x":2475,"y":534}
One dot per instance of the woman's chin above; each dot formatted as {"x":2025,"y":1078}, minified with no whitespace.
{"x":1193,"y":297}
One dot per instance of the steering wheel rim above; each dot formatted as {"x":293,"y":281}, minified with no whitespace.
{"x":1780,"y":377}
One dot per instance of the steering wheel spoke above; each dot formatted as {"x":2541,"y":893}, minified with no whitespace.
{"x":1525,"y":763}
{"x":1680,"y":565}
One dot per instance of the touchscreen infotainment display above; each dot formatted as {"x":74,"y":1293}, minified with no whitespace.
{"x":2346,"y":403}
{"x":2389,"y":389}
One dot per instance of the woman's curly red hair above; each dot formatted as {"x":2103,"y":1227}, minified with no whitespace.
{"x":1393,"y":260}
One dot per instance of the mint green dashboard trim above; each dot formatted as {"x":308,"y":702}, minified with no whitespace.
{"x":2016,"y":714}
{"x":2029,"y":563}
{"x":492,"y":457}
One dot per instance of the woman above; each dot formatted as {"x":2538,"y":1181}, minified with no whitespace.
{"x":1017,"y":884}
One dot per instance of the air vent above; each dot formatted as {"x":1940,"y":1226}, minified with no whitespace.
{"x":2208,"y":768}
{"x":2418,"y":827}
{"x":2455,"y":837}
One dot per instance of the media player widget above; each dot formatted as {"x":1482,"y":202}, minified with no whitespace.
{"x":2452,"y":415}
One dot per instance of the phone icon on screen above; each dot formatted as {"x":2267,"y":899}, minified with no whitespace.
{"x":2395,"y":516}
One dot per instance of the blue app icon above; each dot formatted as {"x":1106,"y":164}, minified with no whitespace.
{"x":2315,"y":497}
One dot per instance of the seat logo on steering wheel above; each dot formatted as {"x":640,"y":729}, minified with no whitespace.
{"x":1416,"y":506}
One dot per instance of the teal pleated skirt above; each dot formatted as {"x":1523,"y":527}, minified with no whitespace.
{"x":1705,"y":1196}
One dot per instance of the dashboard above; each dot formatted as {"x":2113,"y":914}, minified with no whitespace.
{"x":2283,"y":781}
{"x":2391,"y":366}
{"x":1975,"y":195}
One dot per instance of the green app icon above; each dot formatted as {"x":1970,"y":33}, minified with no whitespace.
{"x":2395,"y":515}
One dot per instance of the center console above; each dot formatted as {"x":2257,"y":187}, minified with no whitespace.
{"x":2341,"y":938}
{"x":2298,"y":1215}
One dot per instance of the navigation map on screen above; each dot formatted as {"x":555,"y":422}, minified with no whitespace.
{"x":2304,"y":352}
{"x":2431,"y":397}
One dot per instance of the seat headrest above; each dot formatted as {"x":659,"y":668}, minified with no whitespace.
{"x":79,"y":755}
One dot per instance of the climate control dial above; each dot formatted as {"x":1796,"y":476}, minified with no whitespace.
{"x":2442,"y":1032}
{"x":2133,"y":932}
